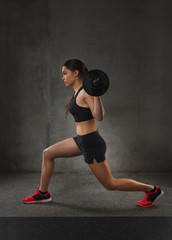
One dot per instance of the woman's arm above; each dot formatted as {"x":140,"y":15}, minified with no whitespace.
{"x":98,"y":109}
{"x":96,"y":106}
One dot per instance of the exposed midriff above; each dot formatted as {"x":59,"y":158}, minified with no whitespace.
{"x":86,"y":127}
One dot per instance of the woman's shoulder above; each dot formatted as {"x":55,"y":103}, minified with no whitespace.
{"x":84,"y":94}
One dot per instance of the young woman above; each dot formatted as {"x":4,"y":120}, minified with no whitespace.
{"x":86,"y":110}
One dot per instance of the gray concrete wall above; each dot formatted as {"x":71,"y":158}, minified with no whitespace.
{"x":129,"y":40}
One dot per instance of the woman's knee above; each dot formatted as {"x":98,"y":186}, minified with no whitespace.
{"x":110,"y":185}
{"x":47,"y":154}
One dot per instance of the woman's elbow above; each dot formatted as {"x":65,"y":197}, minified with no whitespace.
{"x":99,"y":118}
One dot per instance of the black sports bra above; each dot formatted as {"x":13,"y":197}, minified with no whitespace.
{"x":79,"y":113}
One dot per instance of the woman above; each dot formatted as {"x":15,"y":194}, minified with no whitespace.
{"x":86,"y":110}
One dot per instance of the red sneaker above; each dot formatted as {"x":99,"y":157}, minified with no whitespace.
{"x":151,"y":198}
{"x":38,"y":197}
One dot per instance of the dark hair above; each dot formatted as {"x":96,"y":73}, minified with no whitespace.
{"x":74,"y":64}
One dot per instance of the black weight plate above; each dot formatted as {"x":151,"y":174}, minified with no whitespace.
{"x":95,"y":82}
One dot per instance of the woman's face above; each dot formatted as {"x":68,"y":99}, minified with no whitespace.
{"x":68,"y":76}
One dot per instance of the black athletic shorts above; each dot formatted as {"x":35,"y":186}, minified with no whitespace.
{"x":92,"y":145}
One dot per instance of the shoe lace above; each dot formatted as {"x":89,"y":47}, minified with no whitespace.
{"x":37,"y":191}
{"x":146,"y":197}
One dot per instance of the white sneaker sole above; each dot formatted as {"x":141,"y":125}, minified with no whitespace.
{"x":156,"y":200}
{"x":40,"y":201}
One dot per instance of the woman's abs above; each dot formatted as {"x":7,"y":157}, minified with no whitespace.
{"x":86,"y":127}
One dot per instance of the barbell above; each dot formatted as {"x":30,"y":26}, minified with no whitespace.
{"x":95,"y":82}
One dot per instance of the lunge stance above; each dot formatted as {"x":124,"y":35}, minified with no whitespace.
{"x":86,"y":110}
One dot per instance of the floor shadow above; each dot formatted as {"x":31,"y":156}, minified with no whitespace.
{"x":134,"y":211}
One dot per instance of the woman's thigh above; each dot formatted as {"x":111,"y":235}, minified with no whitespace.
{"x":65,"y":148}
{"x":102,"y":172}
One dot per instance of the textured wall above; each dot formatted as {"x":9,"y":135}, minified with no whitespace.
{"x":129,"y":40}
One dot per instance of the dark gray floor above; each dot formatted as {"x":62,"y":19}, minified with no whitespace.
{"x":80,"y":194}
